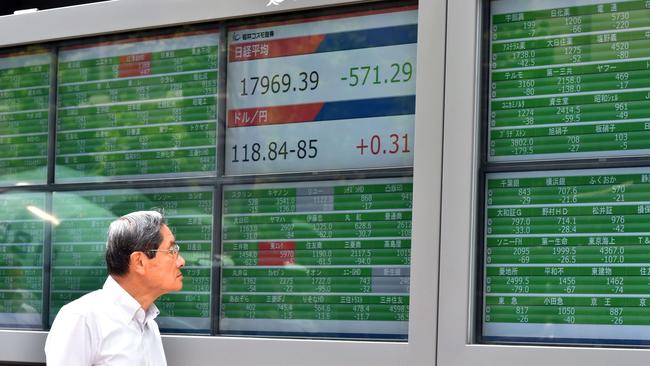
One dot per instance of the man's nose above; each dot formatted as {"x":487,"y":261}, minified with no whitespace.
{"x":180,"y":261}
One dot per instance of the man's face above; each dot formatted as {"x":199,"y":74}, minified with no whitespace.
{"x":164,"y":270}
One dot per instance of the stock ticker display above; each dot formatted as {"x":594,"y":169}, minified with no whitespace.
{"x":22,"y":235}
{"x":566,"y":251}
{"x":139,"y":108}
{"x":79,"y":242}
{"x":568,"y":81}
{"x":25,"y":79}
{"x":567,"y":254}
{"x":328,"y":258}
{"x":299,"y":255}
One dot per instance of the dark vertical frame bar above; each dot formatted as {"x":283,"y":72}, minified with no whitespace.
{"x":47,"y":264}
{"x":51,"y":163}
{"x":221,"y":101}
{"x":53,"y":116}
{"x":215,"y":296}
{"x":483,"y":146}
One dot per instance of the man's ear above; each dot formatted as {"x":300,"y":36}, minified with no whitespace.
{"x":138,"y":262}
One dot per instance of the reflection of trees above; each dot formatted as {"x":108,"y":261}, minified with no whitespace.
{"x":19,"y":231}
{"x":70,"y":282}
{"x":33,"y":171}
{"x":18,"y":237}
{"x":78,"y":264}
{"x":104,"y":206}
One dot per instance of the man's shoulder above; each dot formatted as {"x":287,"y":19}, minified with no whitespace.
{"x":87,"y":304}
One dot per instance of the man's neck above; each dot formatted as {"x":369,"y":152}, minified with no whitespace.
{"x":134,"y":288}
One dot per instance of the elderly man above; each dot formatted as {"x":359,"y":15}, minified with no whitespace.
{"x":115,"y":325}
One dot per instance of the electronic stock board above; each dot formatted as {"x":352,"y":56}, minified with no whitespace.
{"x":22,"y":235}
{"x":79,"y":242}
{"x":568,"y":255}
{"x":327,"y":93}
{"x":318,"y":258}
{"x":327,"y":258}
{"x":138,"y":108}
{"x":25,"y":80}
{"x":565,"y":251}
{"x":568,"y":79}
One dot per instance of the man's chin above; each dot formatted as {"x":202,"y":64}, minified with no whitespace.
{"x":176,"y":286}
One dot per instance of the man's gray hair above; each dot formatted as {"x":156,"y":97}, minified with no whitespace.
{"x":135,"y":232}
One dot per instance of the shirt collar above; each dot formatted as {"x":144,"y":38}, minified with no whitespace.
{"x":129,"y":307}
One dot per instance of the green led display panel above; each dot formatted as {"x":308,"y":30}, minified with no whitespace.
{"x":138,"y":108}
{"x":24,"y":110}
{"x":22,"y":233}
{"x":568,"y":79}
{"x":567,"y":256}
{"x":328,"y":259}
{"x":79,"y":242}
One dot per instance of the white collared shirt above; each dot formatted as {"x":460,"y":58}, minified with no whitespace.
{"x":105,"y":327}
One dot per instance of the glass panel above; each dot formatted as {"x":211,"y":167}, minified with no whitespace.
{"x":22,"y":234}
{"x":319,"y":259}
{"x":138,"y":108}
{"x":79,"y":242}
{"x":568,"y":79}
{"x":567,"y":256}
{"x":24,"y":111}
{"x":325,"y":93}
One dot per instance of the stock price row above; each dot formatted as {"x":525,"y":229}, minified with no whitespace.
{"x":575,"y":19}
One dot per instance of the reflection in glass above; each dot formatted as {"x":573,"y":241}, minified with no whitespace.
{"x":78,"y":247}
{"x":21,"y":260}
